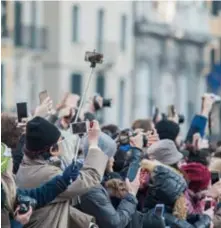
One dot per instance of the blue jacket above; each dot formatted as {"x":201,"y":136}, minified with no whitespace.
{"x":198,"y":125}
{"x":43,"y":194}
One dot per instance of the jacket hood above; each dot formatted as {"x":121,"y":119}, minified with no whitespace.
{"x":165,"y":186}
{"x":105,"y":143}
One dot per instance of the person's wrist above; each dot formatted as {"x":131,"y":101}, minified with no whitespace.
{"x":93,"y":143}
{"x":205,"y":113}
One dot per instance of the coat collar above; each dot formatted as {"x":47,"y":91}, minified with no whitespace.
{"x":30,"y":162}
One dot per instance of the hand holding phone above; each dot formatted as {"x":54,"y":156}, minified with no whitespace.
{"x":208,"y":205}
{"x":215,"y":177}
{"x":72,"y":100}
{"x":159,"y":210}
{"x":93,"y":132}
{"x":134,"y":185}
{"x":79,"y":128}
{"x":43,"y":95}
{"x":132,"y":171}
{"x":22,"y":111}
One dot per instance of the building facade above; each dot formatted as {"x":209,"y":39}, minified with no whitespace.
{"x":78,"y":26}
{"x":169,"y":56}
{"x":30,"y":42}
{"x":7,"y":52}
{"x":214,"y":68}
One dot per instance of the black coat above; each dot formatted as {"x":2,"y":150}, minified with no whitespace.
{"x":164,"y":188}
{"x":193,"y":221}
{"x":97,"y":203}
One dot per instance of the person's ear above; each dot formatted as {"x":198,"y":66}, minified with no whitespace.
{"x":53,"y":150}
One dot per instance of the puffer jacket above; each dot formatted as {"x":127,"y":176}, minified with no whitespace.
{"x":97,"y":203}
{"x":217,"y":217}
{"x":165,"y":186}
{"x":194,"y":221}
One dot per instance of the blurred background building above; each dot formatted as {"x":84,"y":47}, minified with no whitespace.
{"x":156,"y":53}
{"x":170,"y":56}
{"x":214,"y":69}
{"x":7,"y":53}
{"x":76,"y":27}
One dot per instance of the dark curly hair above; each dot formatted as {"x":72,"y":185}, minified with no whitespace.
{"x":111,"y":129}
{"x":10,"y":133}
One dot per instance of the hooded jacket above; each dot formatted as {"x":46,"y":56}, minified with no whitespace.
{"x":98,"y":204}
{"x":165,"y":187}
{"x":59,"y":213}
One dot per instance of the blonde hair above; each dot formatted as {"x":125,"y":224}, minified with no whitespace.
{"x":9,"y":188}
{"x":180,"y":209}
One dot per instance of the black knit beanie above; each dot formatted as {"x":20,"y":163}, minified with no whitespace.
{"x":41,"y":134}
{"x":167,"y":129}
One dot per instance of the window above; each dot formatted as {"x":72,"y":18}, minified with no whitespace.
{"x":100,"y":30}
{"x":121,"y":102}
{"x":33,"y":23}
{"x":123,"y":32}
{"x":2,"y":85}
{"x":190,"y":111}
{"x":100,"y":85}
{"x":75,"y":23}
{"x":216,"y":7}
{"x":76,"y":84}
{"x":4,"y":19}
{"x":212,"y":57}
{"x":18,"y":23}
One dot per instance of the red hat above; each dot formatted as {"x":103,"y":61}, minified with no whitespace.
{"x":198,"y":175}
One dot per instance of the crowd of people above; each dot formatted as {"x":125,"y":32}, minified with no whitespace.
{"x":146,"y":176}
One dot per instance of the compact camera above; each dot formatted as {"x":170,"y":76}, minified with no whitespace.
{"x":124,"y":137}
{"x":106,"y":103}
{"x":93,"y":57}
{"x":25,"y":202}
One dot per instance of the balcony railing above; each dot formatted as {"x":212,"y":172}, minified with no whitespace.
{"x":31,"y":37}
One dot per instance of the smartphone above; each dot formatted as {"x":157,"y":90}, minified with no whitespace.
{"x":208,"y":205}
{"x":43,"y":95}
{"x":171,"y":111}
{"x":22,"y":111}
{"x":215,"y":177}
{"x":79,"y":128}
{"x":159,"y":210}
{"x":132,"y":171}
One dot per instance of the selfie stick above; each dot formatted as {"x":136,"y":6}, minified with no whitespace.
{"x":93,"y":65}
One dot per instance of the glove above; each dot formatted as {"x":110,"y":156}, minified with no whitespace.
{"x":70,"y":174}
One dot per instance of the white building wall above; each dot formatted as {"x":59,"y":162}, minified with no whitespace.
{"x":28,"y":63}
{"x":70,"y":56}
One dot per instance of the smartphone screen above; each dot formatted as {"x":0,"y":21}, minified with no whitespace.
{"x":79,"y":128}
{"x":22,"y":111}
{"x":215,"y":177}
{"x":132,"y":171}
{"x":207,"y":205}
{"x":159,"y":210}
{"x":43,"y":95}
